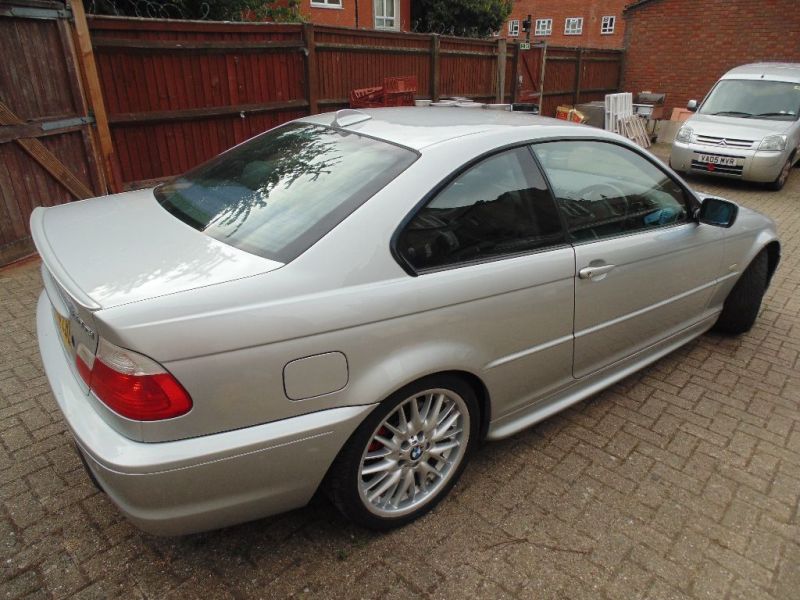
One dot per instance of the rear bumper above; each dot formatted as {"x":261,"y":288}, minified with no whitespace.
{"x":756,"y":166}
{"x":175,"y":488}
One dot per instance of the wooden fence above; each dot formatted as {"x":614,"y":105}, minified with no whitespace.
{"x":47,"y":153}
{"x":575,"y":75}
{"x":110,"y":103}
{"x":178,"y":93}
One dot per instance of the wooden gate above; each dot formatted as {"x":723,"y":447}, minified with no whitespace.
{"x":529,"y":74}
{"x":47,"y":151}
{"x":566,"y":75}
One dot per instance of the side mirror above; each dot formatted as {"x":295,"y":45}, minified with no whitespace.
{"x":691,"y":105}
{"x":717,"y":212}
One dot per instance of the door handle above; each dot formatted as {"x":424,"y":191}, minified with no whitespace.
{"x":595,"y":273}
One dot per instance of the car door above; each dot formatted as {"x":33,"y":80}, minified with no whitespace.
{"x":492,"y":249}
{"x":644,"y":268}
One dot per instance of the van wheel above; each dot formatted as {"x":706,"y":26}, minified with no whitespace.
{"x":407,"y":454}
{"x":782,"y":177}
{"x":744,"y":301}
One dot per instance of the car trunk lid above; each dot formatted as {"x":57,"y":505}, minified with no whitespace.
{"x":115,"y":250}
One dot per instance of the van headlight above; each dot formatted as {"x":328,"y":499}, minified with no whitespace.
{"x":773,"y":142}
{"x":684,"y":135}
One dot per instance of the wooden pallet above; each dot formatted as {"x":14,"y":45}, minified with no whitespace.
{"x":633,"y":128}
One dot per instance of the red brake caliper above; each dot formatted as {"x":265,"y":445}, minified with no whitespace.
{"x":375,"y":444}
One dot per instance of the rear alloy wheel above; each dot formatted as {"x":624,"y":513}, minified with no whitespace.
{"x":782,"y":177}
{"x":407,"y":455}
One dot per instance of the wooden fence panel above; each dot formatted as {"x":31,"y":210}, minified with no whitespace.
{"x":575,"y":75}
{"x":468,"y":68}
{"x":348,"y":59}
{"x":43,"y":120}
{"x":179,"y":93}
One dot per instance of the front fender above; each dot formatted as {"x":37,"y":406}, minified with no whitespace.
{"x":750,"y":234}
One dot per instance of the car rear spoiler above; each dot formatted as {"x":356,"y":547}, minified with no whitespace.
{"x":52,"y":263}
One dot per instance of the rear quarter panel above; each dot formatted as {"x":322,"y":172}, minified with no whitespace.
{"x":228,"y":344}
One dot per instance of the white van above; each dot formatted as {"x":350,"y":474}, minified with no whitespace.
{"x":746,"y":127}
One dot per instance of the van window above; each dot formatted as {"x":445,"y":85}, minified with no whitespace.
{"x":751,"y":98}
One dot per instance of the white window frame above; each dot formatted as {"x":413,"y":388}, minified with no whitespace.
{"x":513,"y":28}
{"x":327,"y":4}
{"x":608,"y":24}
{"x":383,"y":19}
{"x":573,"y":26}
{"x":543,"y":27}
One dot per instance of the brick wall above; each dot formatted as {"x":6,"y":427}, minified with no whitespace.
{"x":592,"y":12}
{"x":345,"y":16}
{"x":682,"y":47}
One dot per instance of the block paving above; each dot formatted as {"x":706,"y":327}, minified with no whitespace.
{"x":682,"y":481}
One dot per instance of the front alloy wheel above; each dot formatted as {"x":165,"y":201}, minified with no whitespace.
{"x":407,"y":454}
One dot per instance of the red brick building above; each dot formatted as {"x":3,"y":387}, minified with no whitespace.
{"x":681,"y":47}
{"x":581,"y":23}
{"x":362,"y":14}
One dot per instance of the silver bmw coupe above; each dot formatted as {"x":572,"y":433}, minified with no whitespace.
{"x":353,"y":302}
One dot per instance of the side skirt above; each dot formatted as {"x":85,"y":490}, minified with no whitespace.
{"x":523,"y":418}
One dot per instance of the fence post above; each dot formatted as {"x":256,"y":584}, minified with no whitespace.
{"x":312,"y":87}
{"x":95,"y":94}
{"x":435,"y":45}
{"x":502,"y":46}
{"x":578,"y":76}
{"x":541,"y":78}
{"x":515,"y":74}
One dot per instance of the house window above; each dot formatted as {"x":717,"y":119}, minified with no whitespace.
{"x":573,"y":26}
{"x":327,"y":3}
{"x":543,"y":27}
{"x":513,"y":28}
{"x":607,"y":26}
{"x":387,"y":14}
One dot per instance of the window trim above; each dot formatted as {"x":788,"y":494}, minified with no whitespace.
{"x":603,"y":24}
{"x":692,"y":199}
{"x":447,"y":180}
{"x":510,"y":23}
{"x":547,"y":30}
{"x":335,"y":5}
{"x":566,"y":23}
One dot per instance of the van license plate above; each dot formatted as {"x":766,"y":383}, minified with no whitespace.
{"x":726,"y":161}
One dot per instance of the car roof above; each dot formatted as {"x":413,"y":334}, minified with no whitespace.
{"x":420,"y":127}
{"x":772,"y":71}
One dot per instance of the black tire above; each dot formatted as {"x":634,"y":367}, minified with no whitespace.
{"x":782,"y":178}
{"x":343,"y":481}
{"x":744,"y":301}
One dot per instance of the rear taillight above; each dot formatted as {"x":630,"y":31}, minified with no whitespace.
{"x":130,"y":384}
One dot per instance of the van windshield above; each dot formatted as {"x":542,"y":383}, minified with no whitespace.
{"x":280,"y":192}
{"x":754,"y":99}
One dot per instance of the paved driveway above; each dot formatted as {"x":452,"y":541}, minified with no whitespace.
{"x":681,"y":481}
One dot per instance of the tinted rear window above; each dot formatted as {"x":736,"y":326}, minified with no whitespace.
{"x":280,"y":192}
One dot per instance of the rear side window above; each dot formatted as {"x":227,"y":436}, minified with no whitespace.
{"x":280,"y":192}
{"x":501,"y":206}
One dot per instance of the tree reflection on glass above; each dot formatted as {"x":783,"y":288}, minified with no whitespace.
{"x":278,"y":193}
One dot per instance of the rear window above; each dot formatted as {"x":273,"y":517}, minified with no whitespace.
{"x":280,"y":192}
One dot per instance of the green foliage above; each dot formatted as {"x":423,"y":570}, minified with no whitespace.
{"x":216,"y":10}
{"x":472,"y":18}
